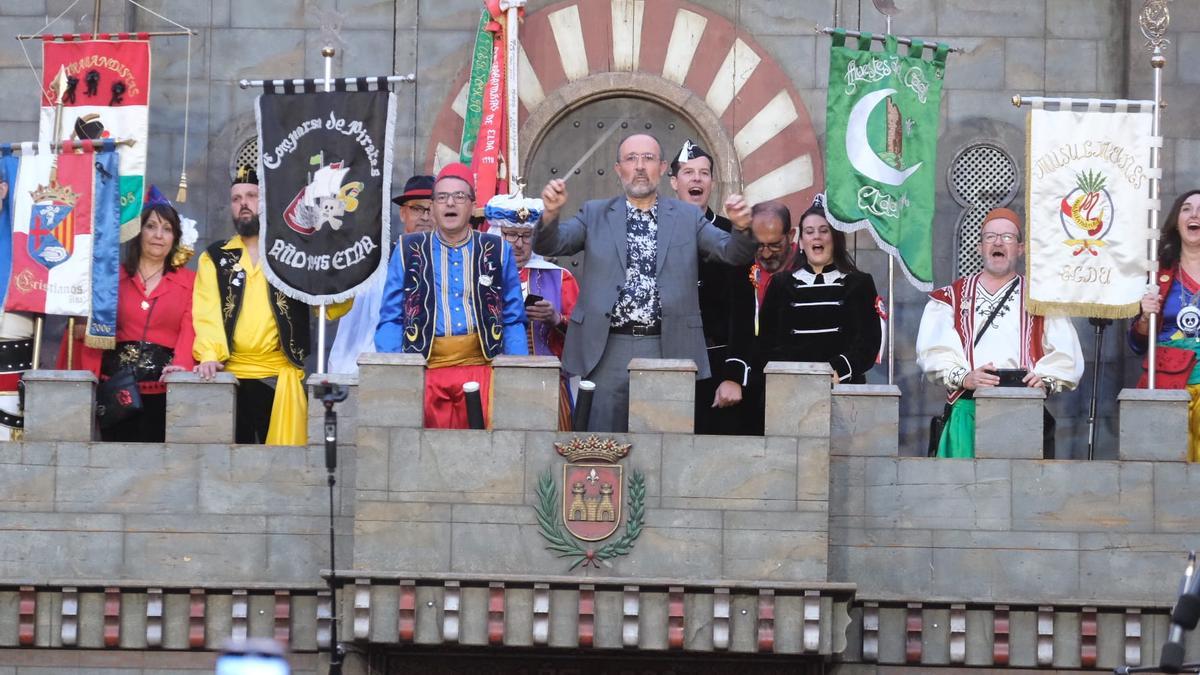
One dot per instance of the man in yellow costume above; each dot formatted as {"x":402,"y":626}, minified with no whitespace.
{"x":251,"y":330}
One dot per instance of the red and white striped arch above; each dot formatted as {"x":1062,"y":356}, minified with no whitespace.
{"x":691,"y":47}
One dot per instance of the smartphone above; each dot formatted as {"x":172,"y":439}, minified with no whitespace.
{"x":1011,"y":377}
{"x":533,"y":298}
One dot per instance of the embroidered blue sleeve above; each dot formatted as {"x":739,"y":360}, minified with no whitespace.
{"x":389,"y":334}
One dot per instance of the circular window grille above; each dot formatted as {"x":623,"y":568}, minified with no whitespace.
{"x":247,"y":154}
{"x":981,"y":177}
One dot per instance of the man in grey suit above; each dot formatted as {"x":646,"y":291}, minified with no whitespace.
{"x":638,"y":296}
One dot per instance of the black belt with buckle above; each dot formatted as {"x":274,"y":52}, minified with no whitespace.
{"x":637,"y":329}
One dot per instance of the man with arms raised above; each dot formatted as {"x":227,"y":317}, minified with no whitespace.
{"x":641,"y":255}
{"x":978,"y":325}
{"x":453,"y":295}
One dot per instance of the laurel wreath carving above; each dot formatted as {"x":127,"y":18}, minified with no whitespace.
{"x":565,"y":546}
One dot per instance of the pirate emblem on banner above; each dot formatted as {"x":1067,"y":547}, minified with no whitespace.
{"x":325,"y":171}
{"x":325,"y":200}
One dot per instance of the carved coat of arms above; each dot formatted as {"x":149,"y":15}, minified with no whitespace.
{"x":594,"y":494}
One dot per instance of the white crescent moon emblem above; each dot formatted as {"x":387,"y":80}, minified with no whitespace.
{"x":858,"y":147}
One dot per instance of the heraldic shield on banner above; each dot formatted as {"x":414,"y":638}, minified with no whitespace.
{"x":52,"y":226}
{"x":594,"y":491}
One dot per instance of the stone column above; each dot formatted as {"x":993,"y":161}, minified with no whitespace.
{"x":391,"y":390}
{"x":1008,"y":422}
{"x":1153,"y":424}
{"x":798,"y":399}
{"x":525,"y":393}
{"x":866,"y":420}
{"x":661,"y":396}
{"x":199,"y":410}
{"x":59,"y":405}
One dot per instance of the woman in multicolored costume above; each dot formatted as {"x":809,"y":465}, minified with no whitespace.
{"x":1177,"y":299}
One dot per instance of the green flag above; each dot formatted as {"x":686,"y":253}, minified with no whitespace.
{"x":881,"y":147}
{"x":481,"y":68}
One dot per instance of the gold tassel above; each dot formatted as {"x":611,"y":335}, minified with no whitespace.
{"x":181,"y":195}
{"x":1082,"y":309}
{"x":98,"y":342}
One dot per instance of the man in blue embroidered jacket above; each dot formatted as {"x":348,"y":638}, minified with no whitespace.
{"x":453,"y":296}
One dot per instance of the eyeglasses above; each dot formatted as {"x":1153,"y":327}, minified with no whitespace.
{"x":993,"y":237}
{"x":633,"y":157}
{"x":776,"y":247}
{"x":459,"y":197}
{"x":514,"y":237}
{"x":419,"y":210}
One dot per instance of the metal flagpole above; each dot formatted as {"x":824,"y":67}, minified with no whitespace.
{"x":153,"y":33}
{"x":512,"y":45}
{"x":60,"y":88}
{"x":932,"y":46}
{"x":888,"y":8}
{"x":300,"y":82}
{"x":1099,"y":324}
{"x":1153,"y":21}
{"x":327,"y":52}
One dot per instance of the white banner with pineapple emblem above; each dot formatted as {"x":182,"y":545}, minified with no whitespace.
{"x":1088,"y":175}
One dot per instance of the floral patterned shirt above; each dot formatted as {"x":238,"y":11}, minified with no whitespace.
{"x":638,"y":302}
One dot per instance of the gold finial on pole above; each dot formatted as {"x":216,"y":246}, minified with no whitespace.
{"x":1016,"y":100}
{"x":59,"y":86}
{"x":328,"y":51}
{"x":1153,"y":20}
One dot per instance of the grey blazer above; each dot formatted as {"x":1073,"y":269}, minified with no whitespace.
{"x":599,"y":231}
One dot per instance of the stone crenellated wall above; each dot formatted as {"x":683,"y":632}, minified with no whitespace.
{"x":820,"y":528}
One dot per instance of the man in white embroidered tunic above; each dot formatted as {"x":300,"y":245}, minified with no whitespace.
{"x":978,"y":325}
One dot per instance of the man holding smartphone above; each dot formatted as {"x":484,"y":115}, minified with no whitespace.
{"x":550,"y":291}
{"x":975,"y":333}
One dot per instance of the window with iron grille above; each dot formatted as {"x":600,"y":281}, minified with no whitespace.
{"x":981,"y":177}
{"x":247,"y":154}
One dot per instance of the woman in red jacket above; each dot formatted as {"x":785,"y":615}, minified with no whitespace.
{"x":154,"y":320}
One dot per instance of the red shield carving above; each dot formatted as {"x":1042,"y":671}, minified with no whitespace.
{"x":592,"y":497}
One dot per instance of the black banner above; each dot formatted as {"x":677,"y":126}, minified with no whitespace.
{"x":325,"y":172}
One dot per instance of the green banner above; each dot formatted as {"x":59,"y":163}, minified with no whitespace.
{"x":481,"y":68}
{"x":881,"y":147}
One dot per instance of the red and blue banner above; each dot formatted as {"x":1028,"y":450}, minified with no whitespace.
{"x":107,"y":97}
{"x":9,"y":164}
{"x":66,"y":237}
